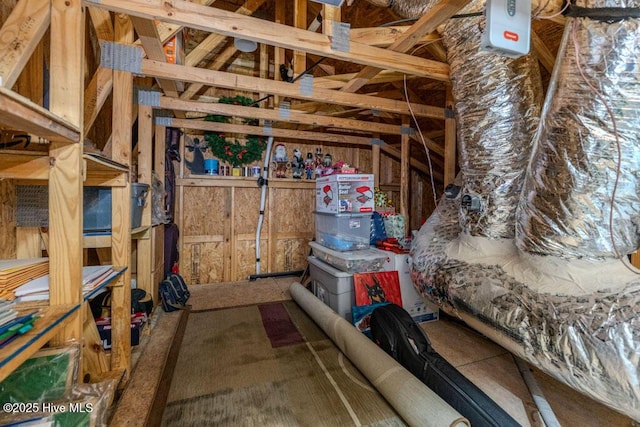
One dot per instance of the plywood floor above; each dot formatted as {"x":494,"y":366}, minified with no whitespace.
{"x":488,"y":365}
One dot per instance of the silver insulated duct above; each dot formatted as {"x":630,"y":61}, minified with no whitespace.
{"x":586,"y":158}
{"x":497,"y":106}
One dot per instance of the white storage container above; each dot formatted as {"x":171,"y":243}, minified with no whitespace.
{"x":343,"y":232}
{"x":415,"y":305}
{"x":350,"y":261}
{"x":332,"y":286}
{"x":340,"y":193}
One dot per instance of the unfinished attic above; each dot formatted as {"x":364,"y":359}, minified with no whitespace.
{"x":265,"y":175}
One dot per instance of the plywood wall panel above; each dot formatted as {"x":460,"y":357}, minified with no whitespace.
{"x":247,"y":210}
{"x":202,"y":263}
{"x":205,"y":210}
{"x":292,"y":254}
{"x":294,"y":210}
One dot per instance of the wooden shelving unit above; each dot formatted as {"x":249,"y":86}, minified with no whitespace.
{"x":52,"y":319}
{"x":55,"y":158}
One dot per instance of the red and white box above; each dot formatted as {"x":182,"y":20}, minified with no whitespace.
{"x":345,"y":193}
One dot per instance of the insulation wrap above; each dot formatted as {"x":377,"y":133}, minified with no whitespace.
{"x":585,"y":335}
{"x":580,"y":150}
{"x":497,"y":106}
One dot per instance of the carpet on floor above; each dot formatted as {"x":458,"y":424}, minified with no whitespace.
{"x":268,"y":365}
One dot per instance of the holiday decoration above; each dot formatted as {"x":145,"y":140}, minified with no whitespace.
{"x":235,"y":153}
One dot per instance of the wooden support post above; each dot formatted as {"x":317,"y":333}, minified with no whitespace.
{"x":635,"y":259}
{"x":299,"y":21}
{"x":28,"y":242}
{"x":278,"y":52}
{"x":405,"y":178}
{"x":264,"y":73}
{"x":449,"y":141}
{"x":121,"y":207}
{"x":145,"y":145}
{"x":65,"y":177}
{"x":329,"y":14}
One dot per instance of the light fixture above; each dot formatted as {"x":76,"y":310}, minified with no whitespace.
{"x":244,"y":45}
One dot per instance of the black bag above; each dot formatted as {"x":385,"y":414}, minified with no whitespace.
{"x":395,"y":332}
{"x":141,"y":302}
{"x":174,"y":293}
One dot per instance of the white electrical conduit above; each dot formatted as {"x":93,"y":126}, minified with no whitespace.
{"x":417,"y":404}
{"x":544,"y":408}
{"x":263,"y":197}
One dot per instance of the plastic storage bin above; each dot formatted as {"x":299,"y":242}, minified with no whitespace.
{"x":332,"y":286}
{"x":97,"y":207}
{"x":343,"y":232}
{"x":350,"y":261}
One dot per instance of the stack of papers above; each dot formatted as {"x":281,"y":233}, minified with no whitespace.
{"x":16,"y":272}
{"x":92,"y":278}
{"x":7,"y":312}
{"x":16,"y":327}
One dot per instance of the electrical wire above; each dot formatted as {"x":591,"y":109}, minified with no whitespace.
{"x":614,"y":123}
{"x":424,"y":143}
{"x":560,"y":12}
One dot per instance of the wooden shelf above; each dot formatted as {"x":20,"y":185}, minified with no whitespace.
{"x":45,"y":327}
{"x":242,"y":181}
{"x":34,"y":165}
{"x":19,"y":113}
{"x":119,"y":271}
{"x":103,"y":240}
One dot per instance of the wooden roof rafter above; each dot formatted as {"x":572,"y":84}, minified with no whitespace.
{"x":231,"y":24}
{"x":255,"y":84}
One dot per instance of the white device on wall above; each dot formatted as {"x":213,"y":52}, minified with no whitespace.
{"x":508,"y":30}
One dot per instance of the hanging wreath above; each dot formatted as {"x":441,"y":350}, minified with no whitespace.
{"x":235,"y":153}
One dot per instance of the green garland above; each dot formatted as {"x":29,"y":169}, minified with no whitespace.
{"x":235,"y":153}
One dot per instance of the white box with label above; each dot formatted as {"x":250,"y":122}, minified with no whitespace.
{"x":419,"y":310}
{"x":345,"y":193}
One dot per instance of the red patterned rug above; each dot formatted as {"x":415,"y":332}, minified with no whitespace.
{"x":278,"y":325}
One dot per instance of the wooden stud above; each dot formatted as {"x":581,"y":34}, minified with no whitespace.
{"x":145,"y":163}
{"x":65,"y":177}
{"x":547,"y":59}
{"x":278,"y":52}
{"x":405,"y":178}
{"x":121,"y":206}
{"x":299,"y":21}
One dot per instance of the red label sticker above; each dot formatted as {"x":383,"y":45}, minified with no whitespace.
{"x":511,"y":36}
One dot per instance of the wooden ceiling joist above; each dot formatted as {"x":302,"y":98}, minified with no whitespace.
{"x":20,"y":35}
{"x":428,"y":23}
{"x":293,"y":90}
{"x":292,"y":116}
{"x":231,"y":24}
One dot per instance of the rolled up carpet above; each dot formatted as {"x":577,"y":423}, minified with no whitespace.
{"x":417,"y":404}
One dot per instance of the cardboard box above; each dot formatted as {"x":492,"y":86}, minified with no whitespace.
{"x":345,"y":193}
{"x":415,"y":305}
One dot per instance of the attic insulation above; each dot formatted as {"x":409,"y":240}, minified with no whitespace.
{"x":556,"y":294}
{"x":592,"y":110}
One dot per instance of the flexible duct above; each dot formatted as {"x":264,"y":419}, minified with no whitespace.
{"x":497,"y":105}
{"x":415,"y":402}
{"x":569,"y":192}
